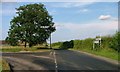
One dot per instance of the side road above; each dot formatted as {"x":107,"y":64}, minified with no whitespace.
{"x":30,"y":60}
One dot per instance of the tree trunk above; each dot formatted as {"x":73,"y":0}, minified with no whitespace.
{"x":30,"y":45}
{"x":25,"y":43}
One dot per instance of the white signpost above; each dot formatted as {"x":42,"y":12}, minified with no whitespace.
{"x":97,"y":41}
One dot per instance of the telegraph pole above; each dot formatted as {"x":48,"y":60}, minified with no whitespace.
{"x":44,"y":27}
{"x":50,"y":42}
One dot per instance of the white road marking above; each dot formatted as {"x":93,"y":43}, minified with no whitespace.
{"x":41,"y":56}
{"x":51,"y":53}
{"x":56,"y":65}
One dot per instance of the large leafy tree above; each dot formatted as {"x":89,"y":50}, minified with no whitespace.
{"x":32,"y":25}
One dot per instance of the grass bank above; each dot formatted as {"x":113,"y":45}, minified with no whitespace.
{"x":103,"y":52}
{"x":0,"y":65}
{"x":4,"y":65}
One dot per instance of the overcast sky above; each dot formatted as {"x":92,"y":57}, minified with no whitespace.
{"x":73,"y":20}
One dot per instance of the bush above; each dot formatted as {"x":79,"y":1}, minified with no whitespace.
{"x":83,"y":44}
{"x":106,"y":41}
{"x":57,"y":44}
{"x":114,"y":44}
{"x":77,"y":44}
{"x":67,"y":44}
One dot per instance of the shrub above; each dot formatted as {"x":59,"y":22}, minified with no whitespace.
{"x":57,"y":44}
{"x":114,"y":44}
{"x":67,"y":44}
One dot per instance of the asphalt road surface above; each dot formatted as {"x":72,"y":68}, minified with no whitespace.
{"x":57,"y":60}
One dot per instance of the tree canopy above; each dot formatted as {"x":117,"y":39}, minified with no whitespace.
{"x":28,"y":26}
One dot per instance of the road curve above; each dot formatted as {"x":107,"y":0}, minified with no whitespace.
{"x":72,"y":60}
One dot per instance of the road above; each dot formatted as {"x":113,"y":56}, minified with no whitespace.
{"x":57,"y":60}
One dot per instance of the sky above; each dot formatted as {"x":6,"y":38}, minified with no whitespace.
{"x":73,"y":20}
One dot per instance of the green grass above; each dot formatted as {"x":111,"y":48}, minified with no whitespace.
{"x":11,"y":50}
{"x":19,"y":48}
{"x":4,"y":65}
{"x":109,"y":53}
{"x":0,"y":65}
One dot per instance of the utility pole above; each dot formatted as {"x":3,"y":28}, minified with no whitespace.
{"x":50,"y":42}
{"x":44,"y":27}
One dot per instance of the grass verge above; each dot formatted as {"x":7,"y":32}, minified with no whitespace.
{"x":0,"y":65}
{"x":11,"y":50}
{"x":19,"y":49}
{"x":4,"y":66}
{"x":109,"y":53}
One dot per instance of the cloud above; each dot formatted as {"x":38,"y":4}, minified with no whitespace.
{"x":8,"y":12}
{"x":83,"y":10}
{"x":53,"y":12}
{"x":92,"y":26}
{"x":8,"y":8}
{"x":8,"y":0}
{"x":104,"y":17}
{"x":71,"y":4}
{"x":90,"y":29}
{"x":71,"y":31}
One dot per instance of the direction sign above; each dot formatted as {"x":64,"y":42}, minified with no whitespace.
{"x":98,"y":38}
{"x":96,"y":41}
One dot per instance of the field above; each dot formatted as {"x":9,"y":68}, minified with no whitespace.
{"x":22,"y":48}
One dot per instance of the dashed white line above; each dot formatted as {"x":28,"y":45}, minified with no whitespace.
{"x":56,"y":65}
{"x":51,"y":53}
